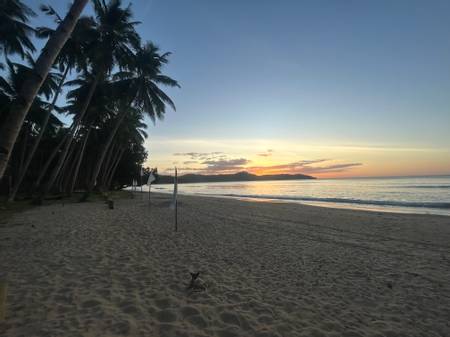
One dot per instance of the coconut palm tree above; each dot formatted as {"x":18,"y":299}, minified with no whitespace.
{"x":17,"y":77}
{"x":96,"y":121}
{"x":129,"y":139}
{"x":140,"y":88}
{"x":72,"y":56}
{"x":115,"y":39}
{"x":11,"y":126}
{"x":11,"y":86}
{"x":79,"y":159}
{"x":15,"y":33}
{"x":75,"y":101}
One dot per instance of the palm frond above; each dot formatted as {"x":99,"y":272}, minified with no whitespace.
{"x":50,"y":11}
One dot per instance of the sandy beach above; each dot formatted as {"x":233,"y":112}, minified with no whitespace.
{"x":266,"y":269}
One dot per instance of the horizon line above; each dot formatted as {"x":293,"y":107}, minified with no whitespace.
{"x":350,"y":177}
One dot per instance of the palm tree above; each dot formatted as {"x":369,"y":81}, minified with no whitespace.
{"x":140,"y":88}
{"x":11,"y":126}
{"x":14,"y":37}
{"x":71,"y":56}
{"x":11,"y":86}
{"x":14,"y":31}
{"x":129,"y":138}
{"x":76,"y":99}
{"x":98,"y":116}
{"x":17,"y":76}
{"x":78,"y":162}
{"x":112,"y":46}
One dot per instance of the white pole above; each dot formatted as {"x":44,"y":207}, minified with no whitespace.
{"x":176,"y":199}
{"x":140,"y":175}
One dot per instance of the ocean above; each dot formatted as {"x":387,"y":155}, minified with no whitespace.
{"x":424,"y":195}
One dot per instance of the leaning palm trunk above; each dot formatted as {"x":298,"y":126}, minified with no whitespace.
{"x":50,"y":159}
{"x":69,"y":174}
{"x":38,"y":139}
{"x":113,"y":170}
{"x":44,"y":169}
{"x":14,"y":120}
{"x":65,"y":169}
{"x":52,"y":156}
{"x":63,"y":156}
{"x":107,"y":165}
{"x":23,"y":151}
{"x":99,"y":163}
{"x":80,"y":159}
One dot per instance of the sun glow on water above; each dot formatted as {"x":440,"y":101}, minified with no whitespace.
{"x":410,"y":195}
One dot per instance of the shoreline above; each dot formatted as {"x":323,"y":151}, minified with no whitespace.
{"x":268,"y":269}
{"x":324,"y":204}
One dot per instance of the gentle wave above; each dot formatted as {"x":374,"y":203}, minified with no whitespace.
{"x":425,"y":186}
{"x":438,"y":205}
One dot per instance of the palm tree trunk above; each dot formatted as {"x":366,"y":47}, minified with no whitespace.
{"x":11,"y":126}
{"x":53,"y":155}
{"x":64,"y":170}
{"x":80,"y":159}
{"x":25,"y":131}
{"x":44,"y":170}
{"x":39,"y":137}
{"x":69,"y":174}
{"x":106,"y":146}
{"x":108,"y":164}
{"x":63,"y":156}
{"x":113,"y":170}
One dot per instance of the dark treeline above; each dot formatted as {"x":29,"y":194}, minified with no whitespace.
{"x":108,"y":80}
{"x":240,"y":176}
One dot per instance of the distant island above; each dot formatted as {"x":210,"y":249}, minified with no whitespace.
{"x":240,"y":176}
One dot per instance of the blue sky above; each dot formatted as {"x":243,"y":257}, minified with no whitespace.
{"x":309,"y":80}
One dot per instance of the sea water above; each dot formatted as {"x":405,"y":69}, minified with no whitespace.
{"x":405,"y":194}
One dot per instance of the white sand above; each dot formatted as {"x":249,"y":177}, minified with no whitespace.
{"x":269,"y":269}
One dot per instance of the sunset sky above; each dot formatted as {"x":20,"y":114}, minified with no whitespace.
{"x":328,"y":88}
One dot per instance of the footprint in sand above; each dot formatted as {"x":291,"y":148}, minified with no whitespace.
{"x":166,"y":316}
{"x":198,"y":321}
{"x":227,"y":333}
{"x":163,"y":303}
{"x":90,"y":304}
{"x":189,"y":311}
{"x":121,"y":328}
{"x":230,"y":318}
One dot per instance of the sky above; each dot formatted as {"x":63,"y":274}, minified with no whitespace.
{"x":341,"y":88}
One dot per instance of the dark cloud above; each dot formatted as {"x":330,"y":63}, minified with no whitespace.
{"x":212,"y":162}
{"x":183,"y":169}
{"x":199,"y":155}
{"x":225,"y":165}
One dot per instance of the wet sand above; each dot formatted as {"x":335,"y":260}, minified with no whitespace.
{"x":266,"y":269}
